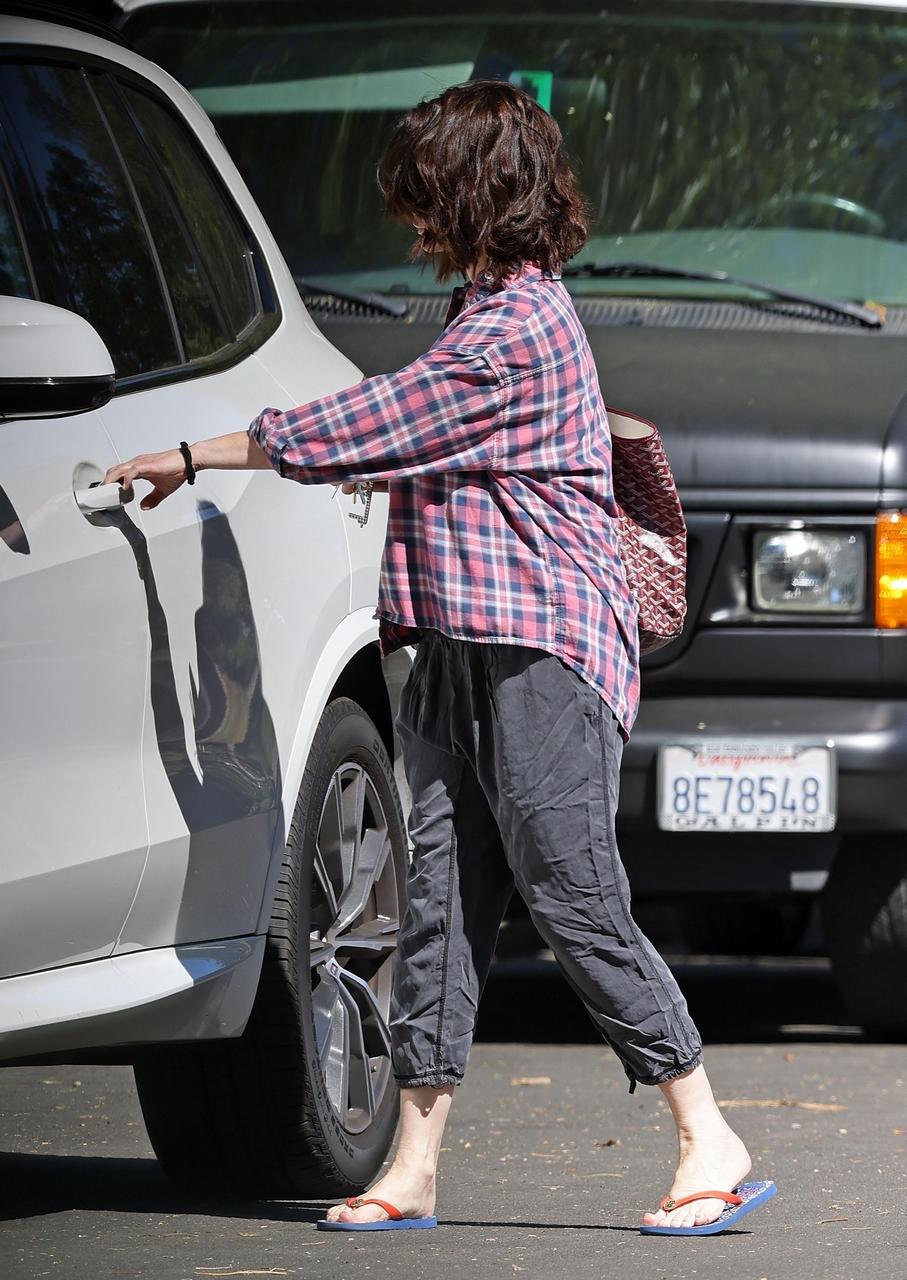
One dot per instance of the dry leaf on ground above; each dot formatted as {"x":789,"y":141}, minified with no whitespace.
{"x":801,"y":1104}
{"x":217,"y":1271}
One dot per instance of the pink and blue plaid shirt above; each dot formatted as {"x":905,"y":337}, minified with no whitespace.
{"x":502,"y":521}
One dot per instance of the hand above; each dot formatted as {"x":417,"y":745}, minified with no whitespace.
{"x":166,"y":471}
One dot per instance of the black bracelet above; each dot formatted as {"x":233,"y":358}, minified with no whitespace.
{"x":187,"y":457}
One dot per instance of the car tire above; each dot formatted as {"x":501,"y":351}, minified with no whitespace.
{"x":744,"y":928}
{"x":304,"y":1103}
{"x":864,"y":913}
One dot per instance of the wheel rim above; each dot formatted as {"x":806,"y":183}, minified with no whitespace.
{"x":355,"y":920}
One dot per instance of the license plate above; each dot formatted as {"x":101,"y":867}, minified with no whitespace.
{"x":746,"y":785}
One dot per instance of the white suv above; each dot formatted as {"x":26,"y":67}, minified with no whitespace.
{"x":202,"y":844}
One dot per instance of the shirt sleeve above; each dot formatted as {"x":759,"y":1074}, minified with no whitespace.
{"x":440,"y":413}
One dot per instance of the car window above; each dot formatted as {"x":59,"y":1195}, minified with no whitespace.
{"x":216,"y":230}
{"x":88,"y":247}
{"x":13,"y":274}
{"x":202,"y":326}
{"x":761,"y":138}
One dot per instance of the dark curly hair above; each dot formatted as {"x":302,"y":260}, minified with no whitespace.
{"x":483,"y":168}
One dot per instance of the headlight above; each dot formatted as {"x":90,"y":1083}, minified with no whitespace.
{"x":808,"y":571}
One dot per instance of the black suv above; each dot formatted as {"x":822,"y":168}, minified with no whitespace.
{"x":745,"y":287}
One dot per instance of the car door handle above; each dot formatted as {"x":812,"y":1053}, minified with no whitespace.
{"x":102,"y":497}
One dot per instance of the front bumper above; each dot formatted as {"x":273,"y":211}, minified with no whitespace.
{"x":871,"y":740}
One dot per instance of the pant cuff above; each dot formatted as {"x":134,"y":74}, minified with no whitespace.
{"x":664,"y":1076}
{"x":432,"y":1080}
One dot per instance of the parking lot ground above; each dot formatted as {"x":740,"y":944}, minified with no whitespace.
{"x":548,"y":1161}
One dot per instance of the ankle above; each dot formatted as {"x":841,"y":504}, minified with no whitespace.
{"x":415,"y":1166}
{"x":707,"y":1128}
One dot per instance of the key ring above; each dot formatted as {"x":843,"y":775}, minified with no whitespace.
{"x":363,"y":493}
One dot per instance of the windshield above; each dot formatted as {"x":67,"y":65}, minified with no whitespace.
{"x":765,"y":140}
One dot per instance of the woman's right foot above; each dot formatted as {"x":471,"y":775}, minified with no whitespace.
{"x":411,"y":1191}
{"x":714,"y":1162}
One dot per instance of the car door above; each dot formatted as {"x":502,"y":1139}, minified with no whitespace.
{"x":73,"y":627}
{"x":244,"y":574}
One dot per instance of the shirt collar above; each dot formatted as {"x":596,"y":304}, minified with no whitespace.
{"x":483,"y":286}
{"x":465,"y":295}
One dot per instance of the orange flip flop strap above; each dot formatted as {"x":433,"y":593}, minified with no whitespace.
{"x":730,"y":1196}
{"x":356,"y":1202}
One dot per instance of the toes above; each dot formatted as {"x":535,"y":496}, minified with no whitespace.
{"x":368,"y":1213}
{"x":657,"y":1219}
{"x":343,"y":1213}
{"x":687,"y":1216}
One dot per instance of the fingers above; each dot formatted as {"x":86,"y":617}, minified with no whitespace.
{"x":117,"y":475}
{"x":166,"y":472}
{"x":124,"y":473}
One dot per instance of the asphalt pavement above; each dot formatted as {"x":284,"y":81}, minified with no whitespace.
{"x":539,"y":1181}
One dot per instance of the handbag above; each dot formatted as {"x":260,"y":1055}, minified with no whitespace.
{"x":651,"y":529}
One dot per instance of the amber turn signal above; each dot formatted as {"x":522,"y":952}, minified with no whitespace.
{"x":891,"y":569}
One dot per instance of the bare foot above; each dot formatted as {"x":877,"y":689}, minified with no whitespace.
{"x":408,"y":1189}
{"x":714,"y":1161}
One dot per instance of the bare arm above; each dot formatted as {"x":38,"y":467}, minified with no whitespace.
{"x":167,"y":470}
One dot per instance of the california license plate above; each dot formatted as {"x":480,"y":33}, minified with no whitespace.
{"x":747,"y":785}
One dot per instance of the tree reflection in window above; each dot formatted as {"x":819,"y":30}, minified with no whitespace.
{"x":93,"y":255}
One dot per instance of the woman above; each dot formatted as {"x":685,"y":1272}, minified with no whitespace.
{"x":501,"y":564}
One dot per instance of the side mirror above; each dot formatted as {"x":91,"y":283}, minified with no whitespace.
{"x":52,"y":362}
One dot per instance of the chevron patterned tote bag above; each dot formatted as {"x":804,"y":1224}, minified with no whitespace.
{"x":652,"y":531}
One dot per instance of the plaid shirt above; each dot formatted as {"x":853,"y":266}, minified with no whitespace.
{"x":501,"y":523}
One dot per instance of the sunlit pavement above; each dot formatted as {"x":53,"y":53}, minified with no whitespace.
{"x":548,"y":1161}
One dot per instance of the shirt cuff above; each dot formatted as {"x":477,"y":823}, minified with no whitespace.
{"x":265,"y":431}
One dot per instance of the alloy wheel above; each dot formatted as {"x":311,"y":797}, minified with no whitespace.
{"x":354,"y":923}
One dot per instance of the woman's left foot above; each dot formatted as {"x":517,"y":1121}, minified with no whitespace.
{"x":410,"y":1190}
{"x":715,"y":1162}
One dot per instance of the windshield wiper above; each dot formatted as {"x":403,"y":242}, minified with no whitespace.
{"x":650,"y":270}
{"x":377,"y":301}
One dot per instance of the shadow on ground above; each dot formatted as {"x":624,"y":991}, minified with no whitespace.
{"x":35,"y":1185}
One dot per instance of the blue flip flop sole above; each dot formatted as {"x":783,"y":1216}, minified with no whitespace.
{"x":754,"y":1194}
{"x":390,"y":1224}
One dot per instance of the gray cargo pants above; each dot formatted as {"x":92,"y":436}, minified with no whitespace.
{"x":513,"y":762}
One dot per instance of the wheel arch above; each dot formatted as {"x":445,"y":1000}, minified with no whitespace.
{"x":362,"y":679}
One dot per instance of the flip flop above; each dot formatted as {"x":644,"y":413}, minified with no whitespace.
{"x":747,"y":1197}
{"x":395,"y":1220}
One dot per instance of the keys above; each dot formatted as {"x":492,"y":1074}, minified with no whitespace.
{"x":362,"y":493}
